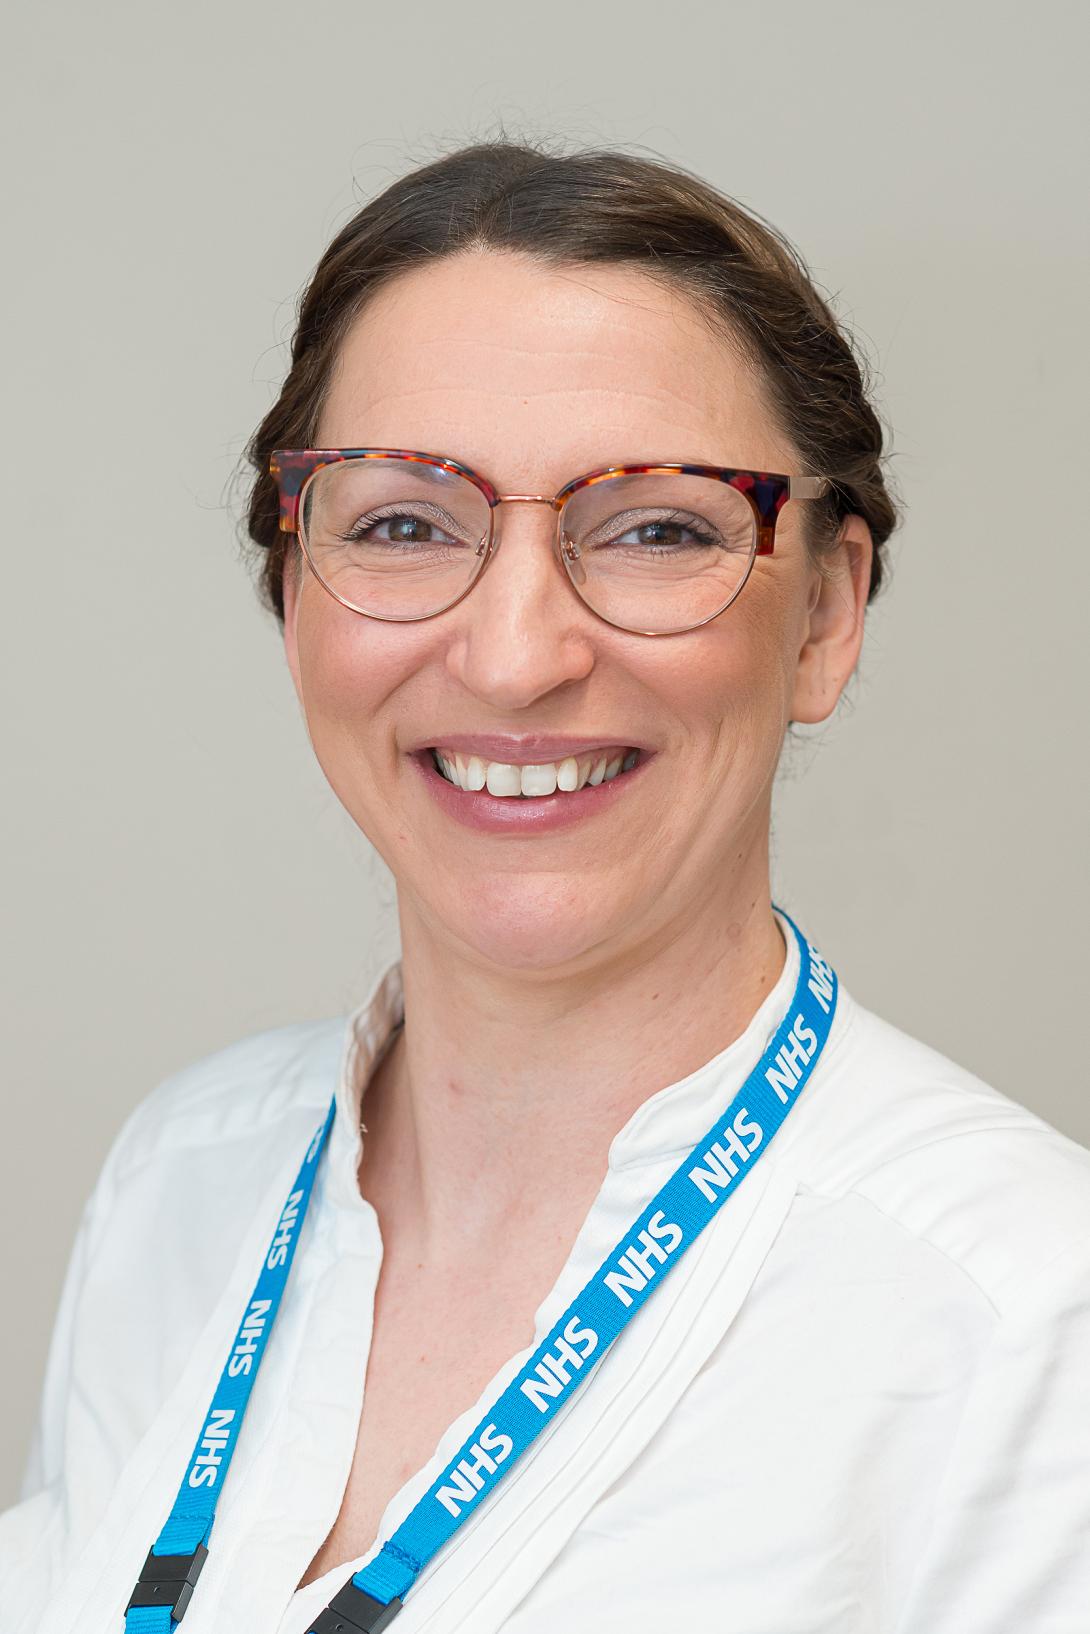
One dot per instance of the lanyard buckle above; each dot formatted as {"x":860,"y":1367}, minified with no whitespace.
{"x":168,"y":1580}
{"x":353,"y":1611}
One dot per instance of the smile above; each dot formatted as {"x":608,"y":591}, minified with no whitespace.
{"x":507,"y":780}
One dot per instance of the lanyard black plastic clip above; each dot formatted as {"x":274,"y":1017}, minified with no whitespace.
{"x":354,"y":1612}
{"x":168,"y":1580}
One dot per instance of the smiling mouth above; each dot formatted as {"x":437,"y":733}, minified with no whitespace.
{"x":505,"y":780}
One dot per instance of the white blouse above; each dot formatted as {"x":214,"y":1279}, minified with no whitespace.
{"x":860,"y":1404}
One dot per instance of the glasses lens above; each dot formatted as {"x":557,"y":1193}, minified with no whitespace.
{"x":659,"y":552}
{"x":398,"y":539}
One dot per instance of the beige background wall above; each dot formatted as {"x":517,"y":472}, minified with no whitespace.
{"x":177,"y":873}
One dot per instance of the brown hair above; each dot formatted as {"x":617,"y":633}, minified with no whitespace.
{"x":596,"y":205}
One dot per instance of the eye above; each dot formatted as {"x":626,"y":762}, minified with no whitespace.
{"x":400,"y":527}
{"x":667,"y":533}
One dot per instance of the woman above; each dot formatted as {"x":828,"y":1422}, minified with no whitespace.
{"x":686,"y":1291}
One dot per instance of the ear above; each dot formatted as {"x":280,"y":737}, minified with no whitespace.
{"x":833,"y":628}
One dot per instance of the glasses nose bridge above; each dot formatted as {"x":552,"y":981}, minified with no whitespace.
{"x":555,"y":504}
{"x":564,"y":549}
{"x":528,"y":499}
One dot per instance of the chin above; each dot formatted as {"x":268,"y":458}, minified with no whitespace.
{"x":527,"y":923}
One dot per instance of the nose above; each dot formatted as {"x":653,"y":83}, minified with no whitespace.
{"x":570,"y":561}
{"x":522,"y":630}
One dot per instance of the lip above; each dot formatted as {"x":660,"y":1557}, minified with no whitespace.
{"x":516,"y":814}
{"x":524,"y":748}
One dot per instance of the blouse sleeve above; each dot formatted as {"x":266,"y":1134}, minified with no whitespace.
{"x":46,"y":1457}
{"x":1010,"y":1543}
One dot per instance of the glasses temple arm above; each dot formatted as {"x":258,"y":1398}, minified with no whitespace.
{"x":808,"y":487}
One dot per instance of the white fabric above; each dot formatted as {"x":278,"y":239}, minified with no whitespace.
{"x":860,"y":1404}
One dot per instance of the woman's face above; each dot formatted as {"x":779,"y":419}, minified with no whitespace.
{"x":532,"y":376}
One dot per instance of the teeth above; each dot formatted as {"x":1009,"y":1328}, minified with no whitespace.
{"x":501,"y":778}
{"x":567,"y":775}
{"x":539,"y":779}
{"x":475,"y":772}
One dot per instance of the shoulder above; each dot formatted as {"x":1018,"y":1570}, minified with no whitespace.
{"x":187,"y":1194}
{"x":262,"y":1087}
{"x":196,"y":1157}
{"x":924,"y":1147}
{"x":194,"y":1179}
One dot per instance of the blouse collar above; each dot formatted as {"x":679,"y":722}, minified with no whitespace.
{"x":669,"y":1122}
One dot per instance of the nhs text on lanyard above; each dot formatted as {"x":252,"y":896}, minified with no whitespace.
{"x":655,"y":1242}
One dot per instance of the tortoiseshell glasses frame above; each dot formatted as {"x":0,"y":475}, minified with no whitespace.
{"x":766,"y":493}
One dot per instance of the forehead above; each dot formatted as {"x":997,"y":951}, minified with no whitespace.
{"x":533,"y":373}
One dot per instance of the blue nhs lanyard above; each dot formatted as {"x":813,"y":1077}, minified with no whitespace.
{"x":633,"y":1269}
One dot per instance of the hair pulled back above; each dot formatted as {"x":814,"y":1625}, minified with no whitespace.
{"x":595,"y":205}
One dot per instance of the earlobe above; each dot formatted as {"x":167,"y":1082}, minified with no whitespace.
{"x":834,"y":624}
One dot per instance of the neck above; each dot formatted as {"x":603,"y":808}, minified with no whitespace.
{"x":500,"y":1084}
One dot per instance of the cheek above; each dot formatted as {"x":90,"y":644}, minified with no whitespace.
{"x":348,"y":667}
{"x":732,"y":679}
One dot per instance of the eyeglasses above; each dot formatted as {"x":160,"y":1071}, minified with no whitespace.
{"x":652,"y":549}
